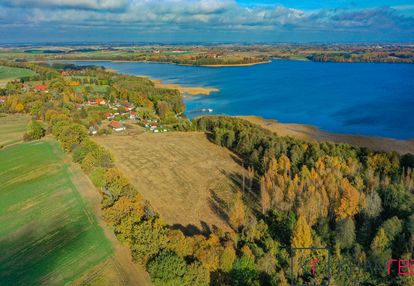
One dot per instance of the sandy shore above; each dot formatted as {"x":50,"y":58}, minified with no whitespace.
{"x":185,"y":90}
{"x":311,"y":133}
{"x":237,"y":65}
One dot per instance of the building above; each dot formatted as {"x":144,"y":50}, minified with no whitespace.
{"x":109,"y":115}
{"x":128,"y":106}
{"x":117,"y":126}
{"x":100,"y":101}
{"x":41,"y":87}
{"x":132,"y":115}
{"x":92,"y":130}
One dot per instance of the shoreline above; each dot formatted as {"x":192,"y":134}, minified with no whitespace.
{"x":313,"y":133}
{"x":155,"y":62}
{"x":234,"y":65}
{"x":295,"y":130}
{"x":186,"y":91}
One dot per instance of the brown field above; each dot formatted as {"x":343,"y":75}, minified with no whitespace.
{"x":307,"y":132}
{"x":190,"y":181}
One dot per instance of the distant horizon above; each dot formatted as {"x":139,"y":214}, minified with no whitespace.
{"x":205,"y":43}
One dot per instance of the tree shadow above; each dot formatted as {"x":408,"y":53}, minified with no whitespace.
{"x":247,"y":185}
{"x":192,"y":230}
{"x":219,"y":206}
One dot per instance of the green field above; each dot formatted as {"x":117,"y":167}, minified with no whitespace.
{"x":95,"y":88}
{"x":12,"y":128}
{"x":9,"y":73}
{"x":48,"y":233}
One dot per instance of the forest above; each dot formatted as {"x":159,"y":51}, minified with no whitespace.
{"x":353,"y":201}
{"x":357,"y":203}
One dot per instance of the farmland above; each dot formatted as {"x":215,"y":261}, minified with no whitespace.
{"x":10,"y":73}
{"x":190,"y":181}
{"x":12,"y":128}
{"x":50,"y":235}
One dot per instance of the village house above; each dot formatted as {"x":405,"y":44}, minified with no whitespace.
{"x":117,"y":126}
{"x":109,"y":115}
{"x":41,"y":88}
{"x":132,"y":115}
{"x":92,"y":130}
{"x":128,"y":106}
{"x":25,"y":87}
{"x":100,"y":101}
{"x":92,"y":101}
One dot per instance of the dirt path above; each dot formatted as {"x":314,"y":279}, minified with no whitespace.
{"x":119,"y":269}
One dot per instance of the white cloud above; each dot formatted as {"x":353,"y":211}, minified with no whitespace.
{"x":69,"y":4}
{"x":192,"y":14}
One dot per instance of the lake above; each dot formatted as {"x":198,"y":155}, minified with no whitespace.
{"x":354,"y":98}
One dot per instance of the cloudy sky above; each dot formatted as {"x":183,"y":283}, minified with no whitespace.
{"x":206,"y":20}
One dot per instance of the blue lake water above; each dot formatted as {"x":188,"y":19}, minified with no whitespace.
{"x":354,"y":98}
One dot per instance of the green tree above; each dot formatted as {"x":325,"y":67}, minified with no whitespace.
{"x":167,"y":269}
{"x":244,"y":272}
{"x":227,"y":258}
{"x":345,"y":233}
{"x":196,"y":275}
{"x":146,"y":239}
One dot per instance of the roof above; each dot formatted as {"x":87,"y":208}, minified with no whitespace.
{"x":41,"y":87}
{"x":115,"y":124}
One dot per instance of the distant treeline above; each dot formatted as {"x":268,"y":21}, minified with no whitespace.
{"x":369,"y":57}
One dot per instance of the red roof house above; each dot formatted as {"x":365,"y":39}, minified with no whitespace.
{"x":117,"y":126}
{"x":41,"y":87}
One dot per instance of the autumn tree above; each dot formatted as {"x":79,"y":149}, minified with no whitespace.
{"x":350,"y":201}
{"x":264,"y":196}
{"x":237,"y":214}
{"x":34,"y":131}
{"x":19,"y":107}
{"x":302,"y":234}
{"x":227,"y":258}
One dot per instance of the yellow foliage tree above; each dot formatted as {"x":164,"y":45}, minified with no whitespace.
{"x":302,"y":235}
{"x":349,"y":202}
{"x":237,"y":214}
{"x":19,"y":107}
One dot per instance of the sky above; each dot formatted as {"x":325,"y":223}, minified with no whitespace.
{"x":167,"y":21}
